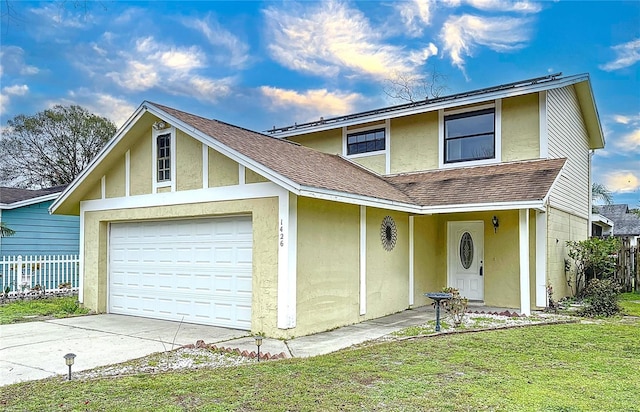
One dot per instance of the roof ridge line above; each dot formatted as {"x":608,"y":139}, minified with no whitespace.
{"x":162,"y":107}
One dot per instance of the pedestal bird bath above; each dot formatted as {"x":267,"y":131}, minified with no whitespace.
{"x":437,"y":297}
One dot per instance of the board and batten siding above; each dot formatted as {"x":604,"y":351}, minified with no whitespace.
{"x":568,"y":139}
{"x":39,"y":233}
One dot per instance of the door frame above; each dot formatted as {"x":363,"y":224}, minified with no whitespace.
{"x":449,"y":251}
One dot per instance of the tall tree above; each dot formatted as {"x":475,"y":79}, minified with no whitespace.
{"x":51,"y":147}
{"x":599,"y":192}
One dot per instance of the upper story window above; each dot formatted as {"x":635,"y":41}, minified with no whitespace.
{"x":366,"y":141}
{"x":163,"y":145}
{"x":164,"y":157}
{"x":470,"y":136}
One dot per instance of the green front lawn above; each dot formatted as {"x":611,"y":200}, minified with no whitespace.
{"x":571,"y":367}
{"x":28,"y":310}
{"x":630,"y":303}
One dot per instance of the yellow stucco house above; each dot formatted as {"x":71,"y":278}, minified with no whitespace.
{"x":309,"y":227}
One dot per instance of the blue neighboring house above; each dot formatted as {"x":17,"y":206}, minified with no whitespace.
{"x":37,"y":232}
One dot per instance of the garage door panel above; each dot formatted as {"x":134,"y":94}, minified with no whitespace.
{"x":243,"y":285}
{"x":191,"y":270}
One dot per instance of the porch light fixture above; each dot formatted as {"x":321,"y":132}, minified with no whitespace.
{"x":495,"y":224}
{"x":258,"y":340}
{"x":69,"y":359}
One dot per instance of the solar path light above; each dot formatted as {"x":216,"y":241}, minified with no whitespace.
{"x":258,"y":339}
{"x":69,"y":359}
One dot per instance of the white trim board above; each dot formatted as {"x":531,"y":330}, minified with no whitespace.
{"x":214,"y":194}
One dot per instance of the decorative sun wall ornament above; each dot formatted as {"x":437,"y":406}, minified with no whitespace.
{"x":388,"y":233}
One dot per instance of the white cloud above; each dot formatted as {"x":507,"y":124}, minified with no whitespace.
{"x":16,"y":90}
{"x":415,"y":14}
{"x":113,"y":108}
{"x":238,"y":51}
{"x":205,"y":89}
{"x":627,"y":54}
{"x":136,"y":76}
{"x":62,"y":16}
{"x":181,"y":59}
{"x":619,"y":118}
{"x":630,"y":143}
{"x":129,"y":15}
{"x":312,"y":103}
{"x":623,"y":181}
{"x":12,"y":62}
{"x":505,"y":5}
{"x":173,"y":69}
{"x":7,"y":92}
{"x":462,"y":34}
{"x":626,"y":138}
{"x":327,"y":38}
{"x":4,"y":102}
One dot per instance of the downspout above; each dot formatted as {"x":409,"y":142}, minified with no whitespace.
{"x":590,"y":211}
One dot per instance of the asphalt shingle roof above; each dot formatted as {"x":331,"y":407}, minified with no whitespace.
{"x":625,"y":223}
{"x":9,"y":195}
{"x":509,"y":182}
{"x":300,"y":164}
{"x":506,"y":182}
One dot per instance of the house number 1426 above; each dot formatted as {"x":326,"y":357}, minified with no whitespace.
{"x":281,"y":233}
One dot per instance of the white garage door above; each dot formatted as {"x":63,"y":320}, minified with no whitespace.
{"x":196,"y":271}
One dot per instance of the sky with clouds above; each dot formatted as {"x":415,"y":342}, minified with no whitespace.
{"x":265,"y":64}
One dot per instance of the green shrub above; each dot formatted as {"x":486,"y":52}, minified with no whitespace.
{"x":594,"y":259}
{"x":601,"y":298}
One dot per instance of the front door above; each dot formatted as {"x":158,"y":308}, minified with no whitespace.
{"x":466,"y":258}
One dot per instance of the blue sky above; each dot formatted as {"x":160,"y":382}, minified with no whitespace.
{"x":265,"y":64}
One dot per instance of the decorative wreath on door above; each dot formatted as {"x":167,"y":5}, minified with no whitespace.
{"x":388,"y":233}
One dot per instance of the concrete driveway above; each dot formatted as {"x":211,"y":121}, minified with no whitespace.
{"x":35,"y":350}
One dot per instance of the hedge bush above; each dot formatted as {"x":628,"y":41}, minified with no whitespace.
{"x":601,"y":298}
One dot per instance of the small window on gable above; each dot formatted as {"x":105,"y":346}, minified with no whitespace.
{"x":470,"y":136}
{"x":365,"y":142}
{"x":163,"y":144}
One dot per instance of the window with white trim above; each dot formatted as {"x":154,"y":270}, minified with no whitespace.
{"x":163,"y":173}
{"x":366,"y":141}
{"x":163,"y":157}
{"x":470,"y":136}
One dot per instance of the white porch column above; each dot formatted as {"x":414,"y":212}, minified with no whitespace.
{"x":287,"y":260}
{"x":525,"y":306}
{"x":81,"y":257}
{"x":541,"y":259}
{"x":411,"y":270}
{"x":363,"y":260}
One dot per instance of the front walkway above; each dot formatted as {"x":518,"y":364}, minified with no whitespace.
{"x":346,"y":336}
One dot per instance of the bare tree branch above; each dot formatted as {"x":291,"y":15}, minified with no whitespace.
{"x":415,"y":87}
{"x":9,"y":15}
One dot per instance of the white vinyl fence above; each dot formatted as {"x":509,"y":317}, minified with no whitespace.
{"x":23,"y":273}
